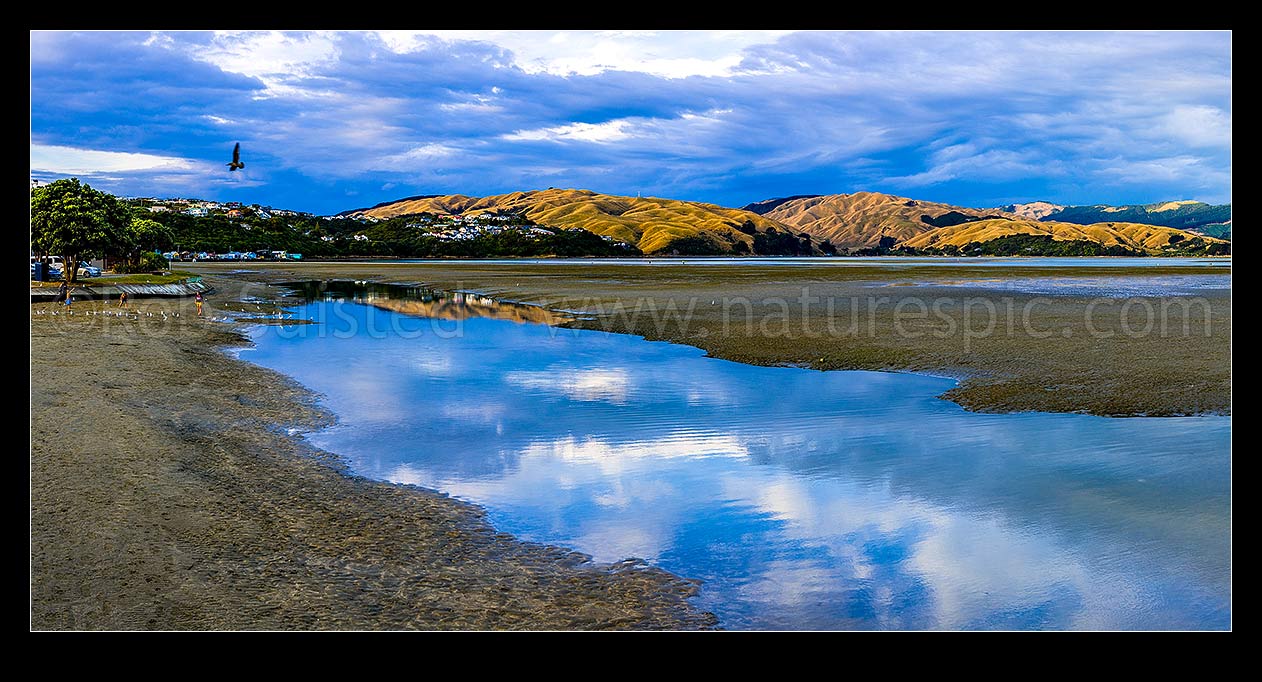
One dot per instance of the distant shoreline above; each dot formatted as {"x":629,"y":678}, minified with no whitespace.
{"x":734,"y":258}
{"x":726,"y":258}
{"x":1116,"y":375}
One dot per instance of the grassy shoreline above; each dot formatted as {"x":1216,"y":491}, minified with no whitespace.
{"x":110,"y":279}
{"x":1045,"y":353}
{"x":168,"y":493}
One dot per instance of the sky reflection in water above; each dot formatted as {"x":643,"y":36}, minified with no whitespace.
{"x":804,"y":499}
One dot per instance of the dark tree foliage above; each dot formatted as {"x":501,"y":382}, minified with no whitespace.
{"x":951,"y":218}
{"x":1196,"y":246}
{"x":399,"y":237}
{"x":1181,"y":217}
{"x":74,"y":221}
{"x":776,"y":243}
{"x":143,"y":237}
{"x":1029,"y":245}
{"x":693,"y":246}
{"x":884,"y":247}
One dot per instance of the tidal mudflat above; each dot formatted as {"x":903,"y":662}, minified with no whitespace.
{"x":1111,"y":347}
{"x":167,"y":493}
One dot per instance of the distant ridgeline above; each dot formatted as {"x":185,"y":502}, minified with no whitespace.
{"x":1025,"y":244}
{"x":1194,"y":216}
{"x":653,"y":225}
{"x":864,"y":223}
{"x":413,"y":236}
{"x":1023,"y":237}
{"x":581,"y":223}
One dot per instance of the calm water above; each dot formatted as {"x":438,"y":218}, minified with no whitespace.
{"x":1106,"y":287}
{"x":842,"y":261}
{"x":803,"y":499}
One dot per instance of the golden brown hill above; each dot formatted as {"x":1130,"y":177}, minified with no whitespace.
{"x":650,"y":223}
{"x":1130,"y":235}
{"x":861,"y":219}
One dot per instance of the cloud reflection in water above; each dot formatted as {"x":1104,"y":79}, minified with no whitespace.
{"x":803,"y":499}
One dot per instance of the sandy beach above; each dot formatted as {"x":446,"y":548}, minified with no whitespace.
{"x":168,"y":493}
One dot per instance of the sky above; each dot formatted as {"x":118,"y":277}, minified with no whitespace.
{"x":331,"y":121}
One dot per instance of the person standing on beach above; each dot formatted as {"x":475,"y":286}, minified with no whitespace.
{"x":199,"y":300}
{"x":61,"y":291}
{"x":122,"y":300}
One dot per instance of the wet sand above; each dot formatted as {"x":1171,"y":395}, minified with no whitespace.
{"x":168,"y":493}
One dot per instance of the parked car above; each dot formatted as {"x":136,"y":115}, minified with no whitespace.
{"x":86,"y":270}
{"x":54,"y":267}
{"x":53,"y":261}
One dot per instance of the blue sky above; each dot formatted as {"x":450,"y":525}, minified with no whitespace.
{"x":330,"y":121}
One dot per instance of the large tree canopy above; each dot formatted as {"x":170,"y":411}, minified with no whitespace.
{"x":143,"y":235}
{"x":147,"y":235}
{"x":72,"y":220}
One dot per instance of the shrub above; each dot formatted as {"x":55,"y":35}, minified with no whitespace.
{"x":146,"y":262}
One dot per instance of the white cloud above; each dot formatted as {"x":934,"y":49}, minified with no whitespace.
{"x":964,"y":162}
{"x":424,"y":152}
{"x":668,"y":54}
{"x":74,"y":161}
{"x":684,"y":444}
{"x":1199,"y":126}
{"x":271,"y":56}
{"x":590,"y":385}
{"x":1182,"y":170}
{"x":969,"y":561}
{"x":713,"y":115}
{"x":627,"y":538}
{"x":159,"y":39}
{"x":482,"y":107}
{"x":609,"y":131}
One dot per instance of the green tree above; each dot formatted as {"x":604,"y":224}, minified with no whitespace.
{"x":143,"y":235}
{"x":72,"y":220}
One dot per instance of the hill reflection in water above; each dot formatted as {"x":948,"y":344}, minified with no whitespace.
{"x":420,"y":301}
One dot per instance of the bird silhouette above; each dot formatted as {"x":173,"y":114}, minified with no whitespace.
{"x":236,"y":159}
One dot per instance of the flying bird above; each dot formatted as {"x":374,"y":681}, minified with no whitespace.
{"x":236,"y":159}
